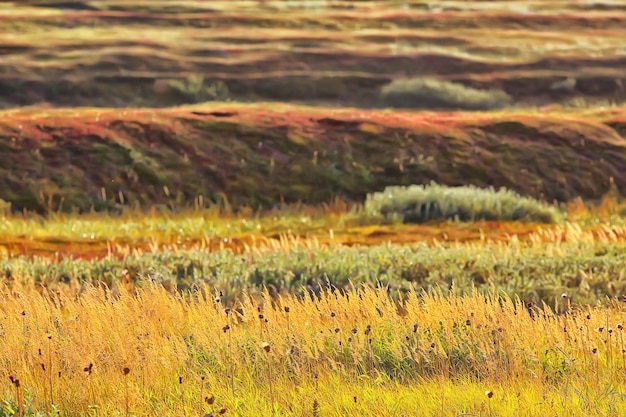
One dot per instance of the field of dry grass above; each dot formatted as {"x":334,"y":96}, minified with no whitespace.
{"x":188,"y":220}
{"x":357,"y":354}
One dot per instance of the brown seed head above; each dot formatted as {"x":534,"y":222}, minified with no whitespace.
{"x":266,"y":347}
{"x":620,"y":327}
{"x":126,"y":371}
{"x":222,"y":410}
{"x":286,"y":308}
{"x":225,"y":328}
{"x":209,"y":400}
{"x":489,"y":394}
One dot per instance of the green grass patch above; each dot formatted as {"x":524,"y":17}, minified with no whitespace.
{"x":587,"y":272}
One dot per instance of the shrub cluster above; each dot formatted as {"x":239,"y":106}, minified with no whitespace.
{"x":424,"y":203}
{"x":425,"y":93}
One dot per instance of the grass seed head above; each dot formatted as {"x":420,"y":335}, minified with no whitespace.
{"x":88,"y":368}
{"x":266,"y":347}
{"x":126,"y":370}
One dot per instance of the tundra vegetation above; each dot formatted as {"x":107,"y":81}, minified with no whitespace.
{"x":312,"y":208}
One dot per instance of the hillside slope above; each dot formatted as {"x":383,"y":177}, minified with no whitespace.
{"x":259,"y":155}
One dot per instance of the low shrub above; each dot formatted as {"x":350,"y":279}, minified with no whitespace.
{"x":424,"y":203}
{"x":195,"y":89}
{"x":425,"y":93}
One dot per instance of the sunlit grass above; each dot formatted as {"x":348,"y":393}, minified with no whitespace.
{"x":337,"y":218}
{"x":358,"y":354}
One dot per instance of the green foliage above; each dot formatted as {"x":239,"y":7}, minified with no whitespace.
{"x":197,"y":90}
{"x":428,"y":93}
{"x":420,"y":203}
{"x":587,"y":272}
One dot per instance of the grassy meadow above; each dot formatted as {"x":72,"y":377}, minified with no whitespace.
{"x":312,"y":208}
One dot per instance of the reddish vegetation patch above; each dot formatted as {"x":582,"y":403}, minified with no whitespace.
{"x":259,"y":156}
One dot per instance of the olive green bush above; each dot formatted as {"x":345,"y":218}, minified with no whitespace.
{"x":425,"y":93}
{"x":425,"y":203}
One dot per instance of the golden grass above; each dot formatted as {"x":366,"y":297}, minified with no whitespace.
{"x":358,"y":354}
{"x":99,"y":235}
